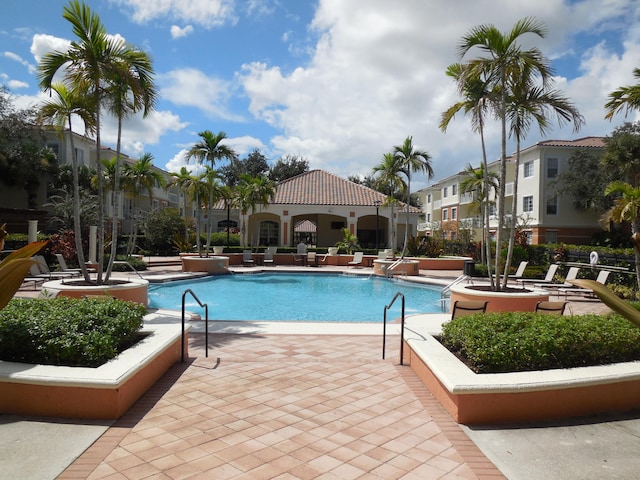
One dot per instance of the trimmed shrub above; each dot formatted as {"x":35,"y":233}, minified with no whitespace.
{"x":525,"y":341}
{"x":67,"y":331}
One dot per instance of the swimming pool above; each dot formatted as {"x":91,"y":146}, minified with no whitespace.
{"x":297,"y":297}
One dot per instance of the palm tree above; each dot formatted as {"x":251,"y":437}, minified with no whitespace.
{"x":624,"y":97}
{"x":60,"y":111}
{"x":528,"y":103}
{"x":501,"y":61}
{"x":251,"y":192}
{"x":140,"y":175}
{"x":183,"y":181}
{"x":411,"y":160}
{"x":626,"y":208}
{"x":94,"y":63}
{"x":388,"y":180}
{"x":477,"y":100}
{"x":210,"y":149}
{"x":475,"y":183}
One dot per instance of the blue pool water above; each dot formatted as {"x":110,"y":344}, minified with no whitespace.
{"x":299,"y":297}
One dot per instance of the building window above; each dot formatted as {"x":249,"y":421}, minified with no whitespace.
{"x":528,"y":169}
{"x":428,"y":217}
{"x":551,"y":236}
{"x":492,"y":209}
{"x":445,"y":215}
{"x":552,"y":167}
{"x":527,"y":203}
{"x":454,"y":189}
{"x":222,"y":226}
{"x":428,"y":198}
{"x":445,"y":192}
{"x":454,"y":213}
{"x":80,"y":156}
{"x":155,"y":204}
{"x":552,"y":205}
{"x":269,"y":232}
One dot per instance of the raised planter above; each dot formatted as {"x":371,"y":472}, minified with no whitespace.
{"x":105,"y":392}
{"x":215,"y":265}
{"x":442,"y":263}
{"x":132,"y":290}
{"x":391,"y":267}
{"x":473,"y":398}
{"x":522,"y":301}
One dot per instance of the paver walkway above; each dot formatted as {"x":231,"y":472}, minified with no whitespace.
{"x":286,"y":407}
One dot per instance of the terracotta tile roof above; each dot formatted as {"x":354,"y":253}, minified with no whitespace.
{"x":318,"y":187}
{"x":586,"y":142}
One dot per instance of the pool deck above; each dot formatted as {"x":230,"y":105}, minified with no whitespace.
{"x":307,"y":400}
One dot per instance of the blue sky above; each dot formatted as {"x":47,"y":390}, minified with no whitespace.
{"x":338,"y":82}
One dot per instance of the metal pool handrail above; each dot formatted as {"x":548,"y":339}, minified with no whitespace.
{"x":384,"y":326}
{"x":206,"y":323}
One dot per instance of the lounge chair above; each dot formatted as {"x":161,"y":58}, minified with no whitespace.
{"x":602,"y":278}
{"x":41,"y":269}
{"x":467,"y":307}
{"x":551,"y":308}
{"x":63,"y":266}
{"x":519,"y":272}
{"x":572,"y":274}
{"x":268,"y":256}
{"x":247,"y":258}
{"x":300,"y":257}
{"x":357,"y":260}
{"x":312,"y":259}
{"x":548,"y":278}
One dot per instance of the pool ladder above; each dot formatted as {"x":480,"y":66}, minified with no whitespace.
{"x":384,"y":326}
{"x":206,"y":323}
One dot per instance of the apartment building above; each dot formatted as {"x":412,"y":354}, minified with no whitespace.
{"x":545,"y":215}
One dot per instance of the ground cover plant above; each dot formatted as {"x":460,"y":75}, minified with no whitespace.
{"x":525,"y":341}
{"x":66,"y":331}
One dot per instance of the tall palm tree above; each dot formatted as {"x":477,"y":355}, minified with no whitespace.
{"x":624,"y":98}
{"x":477,"y":100}
{"x":92,"y":63}
{"x":527,"y":103}
{"x":411,"y":160}
{"x":252,"y":192}
{"x":141,"y":175}
{"x":60,"y":111}
{"x":210,"y":149}
{"x":626,"y":208}
{"x":501,"y":61}
{"x":482,"y":184}
{"x":388,"y":180}
{"x":183,"y":181}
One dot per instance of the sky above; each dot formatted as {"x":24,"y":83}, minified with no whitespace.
{"x":337,"y":82}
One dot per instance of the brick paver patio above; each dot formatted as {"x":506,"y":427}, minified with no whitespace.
{"x":286,"y":407}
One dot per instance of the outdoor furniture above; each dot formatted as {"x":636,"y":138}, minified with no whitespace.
{"x":548,"y":278}
{"x":357,"y":260}
{"x":572,"y":274}
{"x":519,"y":272}
{"x":468,"y":307}
{"x":602,"y":278}
{"x":551,"y":308}
{"x":63,"y":265}
{"x":247,"y":258}
{"x":312,"y":259}
{"x":268,"y":256}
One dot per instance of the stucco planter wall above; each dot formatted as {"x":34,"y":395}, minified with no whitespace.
{"x":134,"y":290}
{"x":216,"y":265}
{"x":473,"y":398}
{"x":524,"y":301}
{"x":105,"y":392}
{"x":444,"y":263}
{"x":407,"y":267}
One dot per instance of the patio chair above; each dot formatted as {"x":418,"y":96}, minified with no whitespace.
{"x":247,"y":258}
{"x":467,"y":307}
{"x":63,"y":266}
{"x":41,"y":269}
{"x":602,"y":278}
{"x":357,"y":260}
{"x":572,"y":274}
{"x":268,"y":256}
{"x":548,"y":278}
{"x":519,"y":272}
{"x":312,"y":259}
{"x":551,"y":308}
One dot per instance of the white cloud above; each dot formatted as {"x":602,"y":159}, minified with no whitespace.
{"x":192,"y":88}
{"x":377,"y":75}
{"x":177,"y":32}
{"x":42,"y":44}
{"x":16,"y":84}
{"x":17,"y":58}
{"x":206,"y":13}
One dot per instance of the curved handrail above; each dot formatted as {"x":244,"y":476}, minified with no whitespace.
{"x":206,"y":323}
{"x":384,"y":326}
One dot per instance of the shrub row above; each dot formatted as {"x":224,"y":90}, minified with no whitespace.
{"x":524,"y":341}
{"x":66,"y":331}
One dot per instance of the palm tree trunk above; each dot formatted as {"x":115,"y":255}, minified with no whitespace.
{"x":485,"y":220}
{"x":406,"y":227}
{"x":116,"y":204}
{"x":514,"y":216}
{"x":101,"y":229}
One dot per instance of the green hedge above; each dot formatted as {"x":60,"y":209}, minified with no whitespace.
{"x":524,"y":341}
{"x":66,"y":331}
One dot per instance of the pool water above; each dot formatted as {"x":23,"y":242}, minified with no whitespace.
{"x":297,"y":297}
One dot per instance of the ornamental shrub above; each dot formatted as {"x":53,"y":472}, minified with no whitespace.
{"x":67,"y":331}
{"x":525,"y":341}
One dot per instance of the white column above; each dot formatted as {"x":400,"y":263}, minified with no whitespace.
{"x":33,"y":231}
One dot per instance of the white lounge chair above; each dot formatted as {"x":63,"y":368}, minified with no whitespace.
{"x":63,"y":266}
{"x":572,"y":274}
{"x":268,"y":255}
{"x":357,"y":260}
{"x":247,"y":258}
{"x":548,"y":278}
{"x":520,"y":271}
{"x":602,"y":278}
{"x":43,"y":269}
